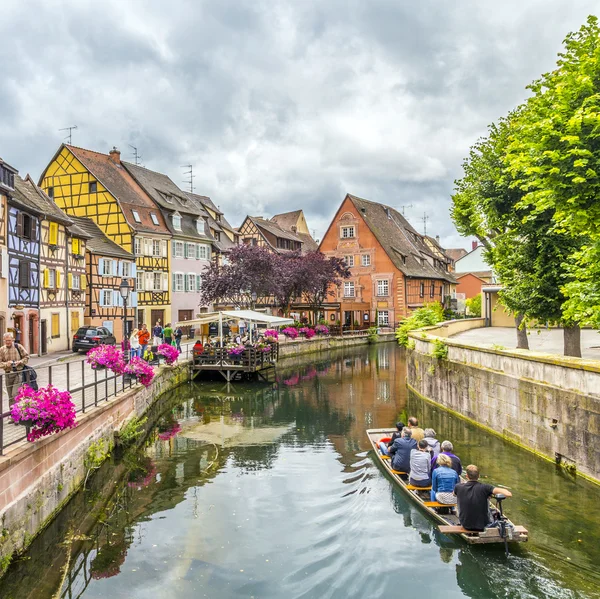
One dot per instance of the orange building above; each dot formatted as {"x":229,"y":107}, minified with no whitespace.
{"x":470,"y":283}
{"x":393,"y":269}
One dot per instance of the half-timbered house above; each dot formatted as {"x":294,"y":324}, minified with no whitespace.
{"x":7,"y":186}
{"x":97,"y":186}
{"x":23,"y":241}
{"x":60,"y":263}
{"x":191,"y":242}
{"x":279,"y":234}
{"x":107,"y":264}
{"x":393,"y":270}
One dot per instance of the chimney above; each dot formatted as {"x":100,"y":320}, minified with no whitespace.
{"x":115,"y":155}
{"x":294,"y":228}
{"x":474,"y":245}
{"x":437,"y":239}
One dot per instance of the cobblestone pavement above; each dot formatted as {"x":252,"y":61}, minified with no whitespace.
{"x":548,"y":341}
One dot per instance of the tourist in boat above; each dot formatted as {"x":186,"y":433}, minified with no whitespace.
{"x":384,"y":447}
{"x":473,"y":500}
{"x":420,"y":465}
{"x":400,"y":451}
{"x":447,"y":449}
{"x":434,"y":444}
{"x":417,"y":432}
{"x":443,"y":481}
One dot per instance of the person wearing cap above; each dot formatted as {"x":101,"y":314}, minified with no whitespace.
{"x":384,"y":447}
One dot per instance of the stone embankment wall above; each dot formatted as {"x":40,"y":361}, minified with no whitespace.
{"x":545,"y":403}
{"x":37,"y":479}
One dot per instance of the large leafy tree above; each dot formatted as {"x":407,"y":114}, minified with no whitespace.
{"x":555,"y":159}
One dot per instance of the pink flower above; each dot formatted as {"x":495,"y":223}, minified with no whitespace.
{"x":307,"y":332}
{"x":321,"y":329}
{"x":271,"y":333}
{"x":141,"y":369}
{"x":107,"y":356}
{"x":290,"y":332}
{"x":169,"y":353}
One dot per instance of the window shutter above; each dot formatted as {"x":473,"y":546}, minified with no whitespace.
{"x":119,"y":268}
{"x":165,"y":279}
{"x":70,"y":281}
{"x":102,"y":297}
{"x":115,"y":267}
{"x":133,"y":299}
{"x":147,"y":247}
{"x":75,"y":245}
{"x":185,"y":250}
{"x":174,"y":282}
{"x":57,"y":279}
{"x":101,"y":266}
{"x":133,"y":270}
{"x":46,"y":278}
{"x":165,"y":248}
{"x":173,"y":245}
{"x":116,"y":298}
{"x":82,"y":281}
{"x":4,"y":264}
{"x":198,"y":282}
{"x":34,"y":226}
{"x":185,"y":283}
{"x":19,"y":224}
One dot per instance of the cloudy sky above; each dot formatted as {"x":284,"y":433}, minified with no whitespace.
{"x":278,"y":105}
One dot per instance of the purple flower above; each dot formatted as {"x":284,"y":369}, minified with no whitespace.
{"x":271,"y":333}
{"x":236,"y":351}
{"x":321,"y":329}
{"x":141,"y":369}
{"x":307,"y":332}
{"x":290,"y":332}
{"x":169,"y":353}
{"x":107,"y":356}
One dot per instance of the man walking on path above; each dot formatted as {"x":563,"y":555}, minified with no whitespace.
{"x":13,"y":356}
{"x":157,"y":331}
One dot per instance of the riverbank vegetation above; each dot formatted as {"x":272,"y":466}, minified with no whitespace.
{"x":429,"y":315}
{"x":529,"y":194}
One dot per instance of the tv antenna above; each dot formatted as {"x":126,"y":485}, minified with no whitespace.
{"x":70,"y":134}
{"x":191,"y":175}
{"x":425,"y":218}
{"x":405,"y":207}
{"x":136,"y":156}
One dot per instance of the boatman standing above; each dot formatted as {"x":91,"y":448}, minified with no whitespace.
{"x":473,"y":500}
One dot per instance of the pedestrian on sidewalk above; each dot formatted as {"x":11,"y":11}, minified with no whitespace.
{"x":178,"y":336}
{"x":144,"y":338}
{"x":157,"y":331}
{"x":168,"y":334}
{"x":134,"y":343}
{"x":13,"y":357}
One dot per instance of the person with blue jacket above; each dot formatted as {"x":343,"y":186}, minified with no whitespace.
{"x":400,"y":451}
{"x":443,"y":480}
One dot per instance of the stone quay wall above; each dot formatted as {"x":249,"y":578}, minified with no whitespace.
{"x":545,"y":403}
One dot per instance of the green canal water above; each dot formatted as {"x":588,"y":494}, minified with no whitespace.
{"x":258,"y":491}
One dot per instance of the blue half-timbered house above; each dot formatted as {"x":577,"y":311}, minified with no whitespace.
{"x":23,"y":243}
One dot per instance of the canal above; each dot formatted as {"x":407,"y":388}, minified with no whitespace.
{"x":261,"y":491}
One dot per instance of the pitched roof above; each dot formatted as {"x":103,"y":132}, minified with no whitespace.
{"x":26,"y":196}
{"x":405,"y":246}
{"x":45,"y":204}
{"x":308,"y":243}
{"x":208,"y":203}
{"x":480,"y":274}
{"x":287,"y":220}
{"x":99,"y":243}
{"x":456,"y":253}
{"x":124,"y":188}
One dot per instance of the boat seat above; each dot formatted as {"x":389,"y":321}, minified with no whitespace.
{"x":459,"y":530}
{"x":438,"y":504}
{"x":413,"y":488}
{"x":385,"y":457}
{"x":398,"y":472}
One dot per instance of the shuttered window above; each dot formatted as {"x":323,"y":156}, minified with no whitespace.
{"x":53,"y":234}
{"x":55,"y":326}
{"x":75,"y":246}
{"x":191,"y":282}
{"x":24,"y":274}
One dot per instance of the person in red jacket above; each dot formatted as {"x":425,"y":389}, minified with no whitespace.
{"x":144,"y":338}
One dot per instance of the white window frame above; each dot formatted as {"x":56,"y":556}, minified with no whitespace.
{"x":191,"y":250}
{"x":178,"y":249}
{"x":126,"y":268}
{"x":136,"y":216}
{"x":106,"y":262}
{"x":348,"y":232}
{"x":177,"y":222}
{"x":107,"y":293}
{"x":154,"y":219}
{"x":191,"y":281}
{"x":383,"y":318}
{"x":203,"y":252}
{"x":179,"y":283}
{"x":51,"y":278}
{"x":365,"y":259}
{"x":156,"y":248}
{"x":139,"y":280}
{"x":76,"y":282}
{"x":349,"y":260}
{"x":349,"y":289}
{"x":157,"y":275}
{"x":137,"y":246}
{"x":200,"y":226}
{"x":383,"y":287}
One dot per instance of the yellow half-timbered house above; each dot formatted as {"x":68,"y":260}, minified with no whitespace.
{"x":96,"y":186}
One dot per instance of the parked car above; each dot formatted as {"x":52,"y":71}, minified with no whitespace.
{"x":213,"y":329}
{"x":87,"y":337}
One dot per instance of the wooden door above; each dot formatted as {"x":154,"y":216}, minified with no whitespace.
{"x":157,"y":315}
{"x":44,"y":337}
{"x":185,"y":315}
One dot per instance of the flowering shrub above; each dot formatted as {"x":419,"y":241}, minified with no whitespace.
{"x":290,"y":332}
{"x":271,"y":333}
{"x":236,"y":350}
{"x":107,"y":356}
{"x":168,"y":352}
{"x":141,"y":369}
{"x":48,"y":409}
{"x":264,"y":348}
{"x":321,"y":329}
{"x":307,"y":332}
{"x":170,"y":431}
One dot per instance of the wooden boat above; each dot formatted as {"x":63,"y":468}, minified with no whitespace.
{"x":443,"y":514}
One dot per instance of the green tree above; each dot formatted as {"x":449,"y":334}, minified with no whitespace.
{"x":474,"y":305}
{"x":555,"y":160}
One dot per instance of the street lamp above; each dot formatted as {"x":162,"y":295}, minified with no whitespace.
{"x":124,"y":290}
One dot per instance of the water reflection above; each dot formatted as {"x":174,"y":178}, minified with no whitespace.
{"x":269,"y":491}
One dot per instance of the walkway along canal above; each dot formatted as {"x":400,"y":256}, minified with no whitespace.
{"x":269,"y":491}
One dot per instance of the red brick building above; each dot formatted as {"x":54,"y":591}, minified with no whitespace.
{"x":394,"y":270}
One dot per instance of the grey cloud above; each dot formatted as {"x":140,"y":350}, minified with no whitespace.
{"x":277,"y":104}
